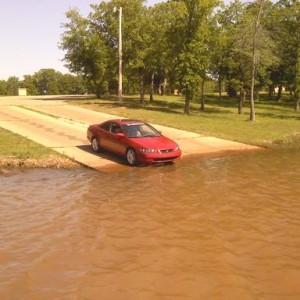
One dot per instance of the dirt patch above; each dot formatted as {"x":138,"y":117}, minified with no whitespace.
{"x":54,"y":162}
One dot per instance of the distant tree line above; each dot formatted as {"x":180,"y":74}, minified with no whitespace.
{"x":183,"y":44}
{"x":45,"y":82}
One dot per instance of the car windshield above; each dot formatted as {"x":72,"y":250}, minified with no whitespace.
{"x":140,"y":130}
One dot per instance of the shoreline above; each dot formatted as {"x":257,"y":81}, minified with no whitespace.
{"x":61,"y":127}
{"x":51,"y":162}
{"x":9,"y":164}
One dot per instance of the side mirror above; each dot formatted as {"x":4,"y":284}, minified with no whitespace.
{"x":120,"y":134}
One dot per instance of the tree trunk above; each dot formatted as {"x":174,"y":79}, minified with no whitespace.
{"x":241,"y":100}
{"x":164,"y":86}
{"x":220,"y":86}
{"x":297,"y":77}
{"x":202,"y":108}
{"x":252,"y":108}
{"x":231,"y":91}
{"x":279,"y":93}
{"x":142,"y":90}
{"x":159,"y":89}
{"x":152,"y":88}
{"x":271,"y":91}
{"x":187,"y":102}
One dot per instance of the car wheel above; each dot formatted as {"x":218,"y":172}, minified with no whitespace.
{"x":131,"y":157}
{"x":95,"y":145}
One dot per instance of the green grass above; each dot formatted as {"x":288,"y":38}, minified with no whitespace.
{"x":276,"y":125}
{"x":15,"y":146}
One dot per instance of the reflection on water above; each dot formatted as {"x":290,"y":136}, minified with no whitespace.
{"x":217,"y":227}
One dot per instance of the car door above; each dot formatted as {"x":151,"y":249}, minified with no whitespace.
{"x":104,"y":135}
{"x":117,"y":139}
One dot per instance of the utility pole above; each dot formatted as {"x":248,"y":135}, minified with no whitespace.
{"x":120,"y":89}
{"x":255,"y":37}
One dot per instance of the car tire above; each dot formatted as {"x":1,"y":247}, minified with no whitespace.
{"x":131,"y":157}
{"x":95,"y":145}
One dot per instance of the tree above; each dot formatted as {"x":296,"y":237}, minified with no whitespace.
{"x":255,"y":49}
{"x":86,"y":51}
{"x":189,"y":37}
{"x":165,"y":47}
{"x":30,"y":83}
{"x":158,"y":18}
{"x":12,"y":86}
{"x":47,"y":82}
{"x":3,"y":87}
{"x":71,"y":85}
{"x":91,"y":43}
{"x":228,"y":57}
{"x":286,"y":26}
{"x":250,"y":49}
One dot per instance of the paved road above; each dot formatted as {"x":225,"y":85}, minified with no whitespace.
{"x":52,"y":122}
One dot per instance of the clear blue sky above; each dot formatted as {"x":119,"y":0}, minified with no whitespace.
{"x":30,"y":32}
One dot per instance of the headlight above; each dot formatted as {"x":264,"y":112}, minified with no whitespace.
{"x":177,"y":148}
{"x":148,"y":150}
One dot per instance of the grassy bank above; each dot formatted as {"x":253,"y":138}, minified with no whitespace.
{"x":277,"y":124}
{"x":17,"y":151}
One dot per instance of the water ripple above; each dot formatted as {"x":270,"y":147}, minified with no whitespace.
{"x":216,"y":227}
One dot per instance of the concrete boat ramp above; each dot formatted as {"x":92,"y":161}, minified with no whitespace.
{"x":62,"y":127}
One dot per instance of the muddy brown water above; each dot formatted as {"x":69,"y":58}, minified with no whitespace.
{"x":214,"y":227}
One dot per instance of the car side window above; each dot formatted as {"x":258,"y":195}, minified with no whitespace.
{"x":116,"y":128}
{"x":106,"y":126}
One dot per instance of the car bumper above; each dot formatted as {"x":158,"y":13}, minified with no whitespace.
{"x":153,"y":158}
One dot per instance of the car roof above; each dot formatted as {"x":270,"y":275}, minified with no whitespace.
{"x":127,"y":121}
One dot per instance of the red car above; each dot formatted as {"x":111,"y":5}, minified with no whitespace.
{"x":138,"y":141}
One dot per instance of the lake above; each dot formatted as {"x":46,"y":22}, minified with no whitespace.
{"x":208,"y":227}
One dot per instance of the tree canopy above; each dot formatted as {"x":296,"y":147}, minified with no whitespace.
{"x":243,"y":47}
{"x":180,"y":44}
{"x":45,"y":82}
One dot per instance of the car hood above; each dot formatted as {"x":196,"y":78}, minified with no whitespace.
{"x":157,"y":143}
